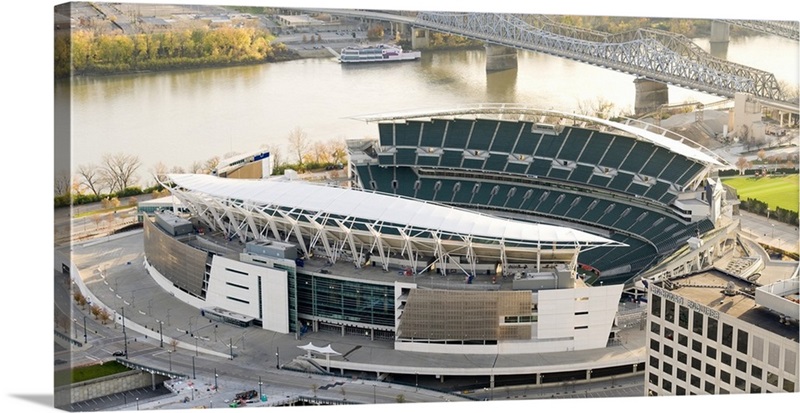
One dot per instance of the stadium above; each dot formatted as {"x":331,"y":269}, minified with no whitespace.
{"x":488,"y":230}
{"x":636,"y":184}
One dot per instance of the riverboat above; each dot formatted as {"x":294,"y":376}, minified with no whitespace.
{"x":378,"y":53}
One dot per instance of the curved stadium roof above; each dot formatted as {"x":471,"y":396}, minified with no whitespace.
{"x":388,"y":210}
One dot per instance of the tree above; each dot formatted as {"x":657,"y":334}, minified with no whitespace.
{"x":62,"y":183}
{"x":761,"y":155}
{"x":119,"y":170}
{"x":274,"y":154}
{"x":600,"y":108}
{"x":91,"y":177}
{"x":742,"y":163}
{"x":160,"y":171}
{"x":400,"y":398}
{"x":174,"y":344}
{"x":338,"y":150}
{"x":298,"y":142}
{"x":212,"y":163}
{"x":104,"y":316}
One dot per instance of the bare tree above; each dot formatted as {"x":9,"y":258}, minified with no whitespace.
{"x":212,"y":164}
{"x":274,"y":153}
{"x":338,"y":150}
{"x":177,"y":170}
{"x":196,"y":168}
{"x":160,"y":172}
{"x":298,"y":142}
{"x":62,"y":183}
{"x":320,"y":152}
{"x":91,"y":177}
{"x":600,"y":108}
{"x":119,"y":170}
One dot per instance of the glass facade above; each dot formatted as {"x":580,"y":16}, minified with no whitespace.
{"x":345,"y":301}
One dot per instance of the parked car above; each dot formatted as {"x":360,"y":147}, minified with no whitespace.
{"x":118,"y":354}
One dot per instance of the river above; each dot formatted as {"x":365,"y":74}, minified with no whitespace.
{"x":181,"y":117}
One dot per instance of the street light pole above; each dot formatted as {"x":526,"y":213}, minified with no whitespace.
{"x":215,"y":379}
{"x":193,"y":372}
{"x":259,"y":387}
{"x":278,"y":358}
{"x":124,"y":333}
{"x":85,"y":335}
{"x":170,"y":359}
{"x":161,"y":333}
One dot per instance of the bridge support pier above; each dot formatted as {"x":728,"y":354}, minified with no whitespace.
{"x":720,"y":37}
{"x":649,"y":96}
{"x":500,"y":58}
{"x":420,"y":38}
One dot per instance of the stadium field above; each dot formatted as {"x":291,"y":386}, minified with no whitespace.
{"x":776,"y":191}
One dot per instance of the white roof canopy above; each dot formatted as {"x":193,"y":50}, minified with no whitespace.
{"x":386,"y":210}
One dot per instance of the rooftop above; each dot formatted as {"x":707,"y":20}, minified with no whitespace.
{"x":709,"y":289}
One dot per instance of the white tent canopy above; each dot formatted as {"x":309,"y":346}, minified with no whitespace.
{"x":327,"y":350}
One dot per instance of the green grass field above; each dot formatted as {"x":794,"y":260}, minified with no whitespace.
{"x":776,"y":191}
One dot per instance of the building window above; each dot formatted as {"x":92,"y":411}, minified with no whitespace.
{"x":669,"y":334}
{"x":655,"y":307}
{"x":680,"y":374}
{"x":754,"y":388}
{"x":711,"y":352}
{"x":697,"y":346}
{"x":696,"y":364}
{"x":653,"y":345}
{"x":772,"y":378}
{"x":711,"y":332}
{"x":683,"y":340}
{"x":682,"y":357}
{"x":697,"y":323}
{"x":726,"y":359}
{"x":683,"y":317}
{"x":725,"y":376}
{"x":740,"y":384}
{"x":666,"y":385}
{"x":655,"y":328}
{"x":653,"y":379}
{"x":668,"y":351}
{"x":741,"y":365}
{"x":774,"y":355}
{"x":695,"y":381}
{"x":709,"y":387}
{"x":758,"y":348}
{"x":667,"y":368}
{"x":680,"y":391}
{"x":789,"y":361}
{"x":788,"y":385}
{"x":741,"y":341}
{"x":756,"y":372}
{"x":669,"y":311}
{"x":654,"y":362}
{"x":727,"y":335}
{"x":711,"y":370}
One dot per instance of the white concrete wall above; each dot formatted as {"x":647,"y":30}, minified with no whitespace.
{"x":560,"y":315}
{"x":233,"y":286}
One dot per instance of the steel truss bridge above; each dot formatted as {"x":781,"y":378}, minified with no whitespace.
{"x":647,"y":53}
{"x":787,"y":29}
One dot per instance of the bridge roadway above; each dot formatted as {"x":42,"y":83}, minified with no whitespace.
{"x":649,"y":54}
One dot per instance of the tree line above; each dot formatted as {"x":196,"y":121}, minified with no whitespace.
{"x":87,"y":52}
{"x":117,"y":175}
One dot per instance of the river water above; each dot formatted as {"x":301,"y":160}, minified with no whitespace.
{"x":181,"y":117}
